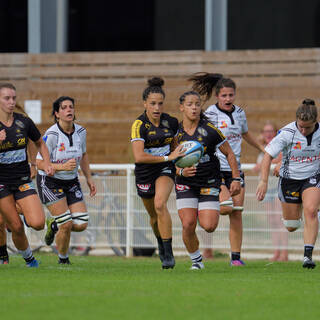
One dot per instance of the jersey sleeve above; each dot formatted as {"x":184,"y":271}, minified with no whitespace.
{"x":175,"y":125}
{"x":83,"y":136}
{"x":244,"y":123}
{"x":137,"y":131}
{"x":51,"y":140}
{"x":277,"y":144}
{"x":33,"y":132}
{"x":217,"y":136}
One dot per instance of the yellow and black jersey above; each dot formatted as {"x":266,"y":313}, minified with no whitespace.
{"x":14,"y":166}
{"x":157,"y":141}
{"x":208,"y":168}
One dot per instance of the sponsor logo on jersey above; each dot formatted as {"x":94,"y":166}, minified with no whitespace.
{"x":203,"y":132}
{"x":165,"y":123}
{"x":45,"y":138}
{"x":7,"y":145}
{"x":209,"y":191}
{"x":297,"y":146}
{"x":144,"y":187}
{"x":21,"y":141}
{"x":25,"y":187}
{"x":313,"y":181}
{"x":150,"y":133}
{"x":293,"y":194}
{"x":19,"y":124}
{"x":147,"y":125}
{"x":182,"y":187}
{"x":223,"y":124}
{"x":62,"y":147}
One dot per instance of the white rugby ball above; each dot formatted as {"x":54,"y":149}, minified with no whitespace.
{"x":193,"y":152}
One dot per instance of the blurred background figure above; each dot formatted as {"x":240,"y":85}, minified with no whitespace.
{"x":271,"y":202}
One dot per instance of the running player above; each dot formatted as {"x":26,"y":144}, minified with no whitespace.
{"x":62,"y":193}
{"x":198,"y":187}
{"x":299,"y":183}
{"x":232,"y":122}
{"x":16,"y":186}
{"x":151,"y":136}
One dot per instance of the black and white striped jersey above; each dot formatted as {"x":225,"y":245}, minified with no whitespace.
{"x":300,"y":154}
{"x":232,"y":124}
{"x":63,"y":147}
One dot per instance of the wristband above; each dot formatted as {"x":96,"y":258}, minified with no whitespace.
{"x":236,"y":179}
{"x":180,"y":172}
{"x":166,"y":158}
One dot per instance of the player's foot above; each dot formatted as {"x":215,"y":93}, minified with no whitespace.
{"x":49,"y":237}
{"x":168,"y":262}
{"x":33,"y":264}
{"x":308,"y":263}
{"x":197,"y":266}
{"x":236,"y":263}
{"x":64,"y":261}
{"x":4,"y":259}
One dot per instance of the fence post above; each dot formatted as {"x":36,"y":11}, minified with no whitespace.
{"x":128,"y":230}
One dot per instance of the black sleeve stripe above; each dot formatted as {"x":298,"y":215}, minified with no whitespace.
{"x":288,"y":129}
{"x":52,"y":133}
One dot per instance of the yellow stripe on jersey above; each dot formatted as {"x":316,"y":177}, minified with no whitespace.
{"x":209,"y":124}
{"x":135,"y":129}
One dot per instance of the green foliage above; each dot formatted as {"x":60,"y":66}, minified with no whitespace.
{"x":137,"y":288}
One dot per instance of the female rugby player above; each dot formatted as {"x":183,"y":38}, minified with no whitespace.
{"x":62,"y":193}
{"x":232,"y":122}
{"x":198,"y":187}
{"x":16,"y":186}
{"x":151,"y":136}
{"x":299,"y":184}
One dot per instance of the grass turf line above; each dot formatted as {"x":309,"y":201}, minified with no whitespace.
{"x":137,"y":288}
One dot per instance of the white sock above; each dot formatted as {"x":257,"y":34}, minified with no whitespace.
{"x":196,"y":256}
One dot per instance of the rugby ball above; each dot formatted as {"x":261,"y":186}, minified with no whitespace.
{"x":193,"y":152}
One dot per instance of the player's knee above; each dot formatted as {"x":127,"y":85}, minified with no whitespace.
{"x":159,"y":206}
{"x":210,"y":228}
{"x":79,"y":220}
{"x":292,"y":225}
{"x":189,"y":226}
{"x":38,"y":225}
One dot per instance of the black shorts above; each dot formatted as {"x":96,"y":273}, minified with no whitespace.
{"x":18,"y":191}
{"x":226,"y":177}
{"x":52,"y":190}
{"x":147,"y":189}
{"x":290,"y":190}
{"x":196,"y":197}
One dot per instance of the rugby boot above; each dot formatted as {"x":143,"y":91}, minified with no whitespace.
{"x":308,"y":263}
{"x":197,"y":266}
{"x":49,"y":237}
{"x":32,"y":264}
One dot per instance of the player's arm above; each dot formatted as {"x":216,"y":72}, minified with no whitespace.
{"x":235,"y":186}
{"x":85,"y":167}
{"x":264,"y":175}
{"x":44,"y":152}
{"x":32,"y":154}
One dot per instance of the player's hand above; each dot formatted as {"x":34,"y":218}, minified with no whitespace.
{"x":70,"y":165}
{"x":48,"y":169}
{"x":92,"y":187}
{"x":177,"y":152}
{"x":3,"y":135}
{"x":235,"y":188}
{"x":261,"y":190}
{"x":276,"y":170}
{"x":189,"y":172}
{"x":33,"y":171}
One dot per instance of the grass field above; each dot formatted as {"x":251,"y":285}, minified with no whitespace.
{"x":137,"y":288}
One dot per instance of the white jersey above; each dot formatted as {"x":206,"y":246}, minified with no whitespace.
{"x":232,"y":124}
{"x":300,"y":154}
{"x":63,"y":147}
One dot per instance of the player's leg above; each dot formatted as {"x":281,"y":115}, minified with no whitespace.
{"x":4,"y":256}
{"x":311,"y":202}
{"x":163,"y":188}
{"x":12,"y":218}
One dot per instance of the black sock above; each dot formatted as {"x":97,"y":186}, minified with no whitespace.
{"x":235,"y":255}
{"x":3,"y":250}
{"x":160,"y":243}
{"x":167,"y":244}
{"x":308,"y":251}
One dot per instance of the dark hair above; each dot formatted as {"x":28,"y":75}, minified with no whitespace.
{"x":192,"y":93}
{"x":8,"y":86}
{"x":56,"y":105}
{"x":204,"y":83}
{"x":188,"y":93}
{"x":307,"y":111}
{"x":154,"y":86}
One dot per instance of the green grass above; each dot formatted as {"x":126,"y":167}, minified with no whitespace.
{"x":119,"y":288}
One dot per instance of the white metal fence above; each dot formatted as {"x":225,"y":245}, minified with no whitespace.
{"x":119,"y":221}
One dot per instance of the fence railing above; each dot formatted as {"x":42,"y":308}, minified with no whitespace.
{"x":119,"y":221}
